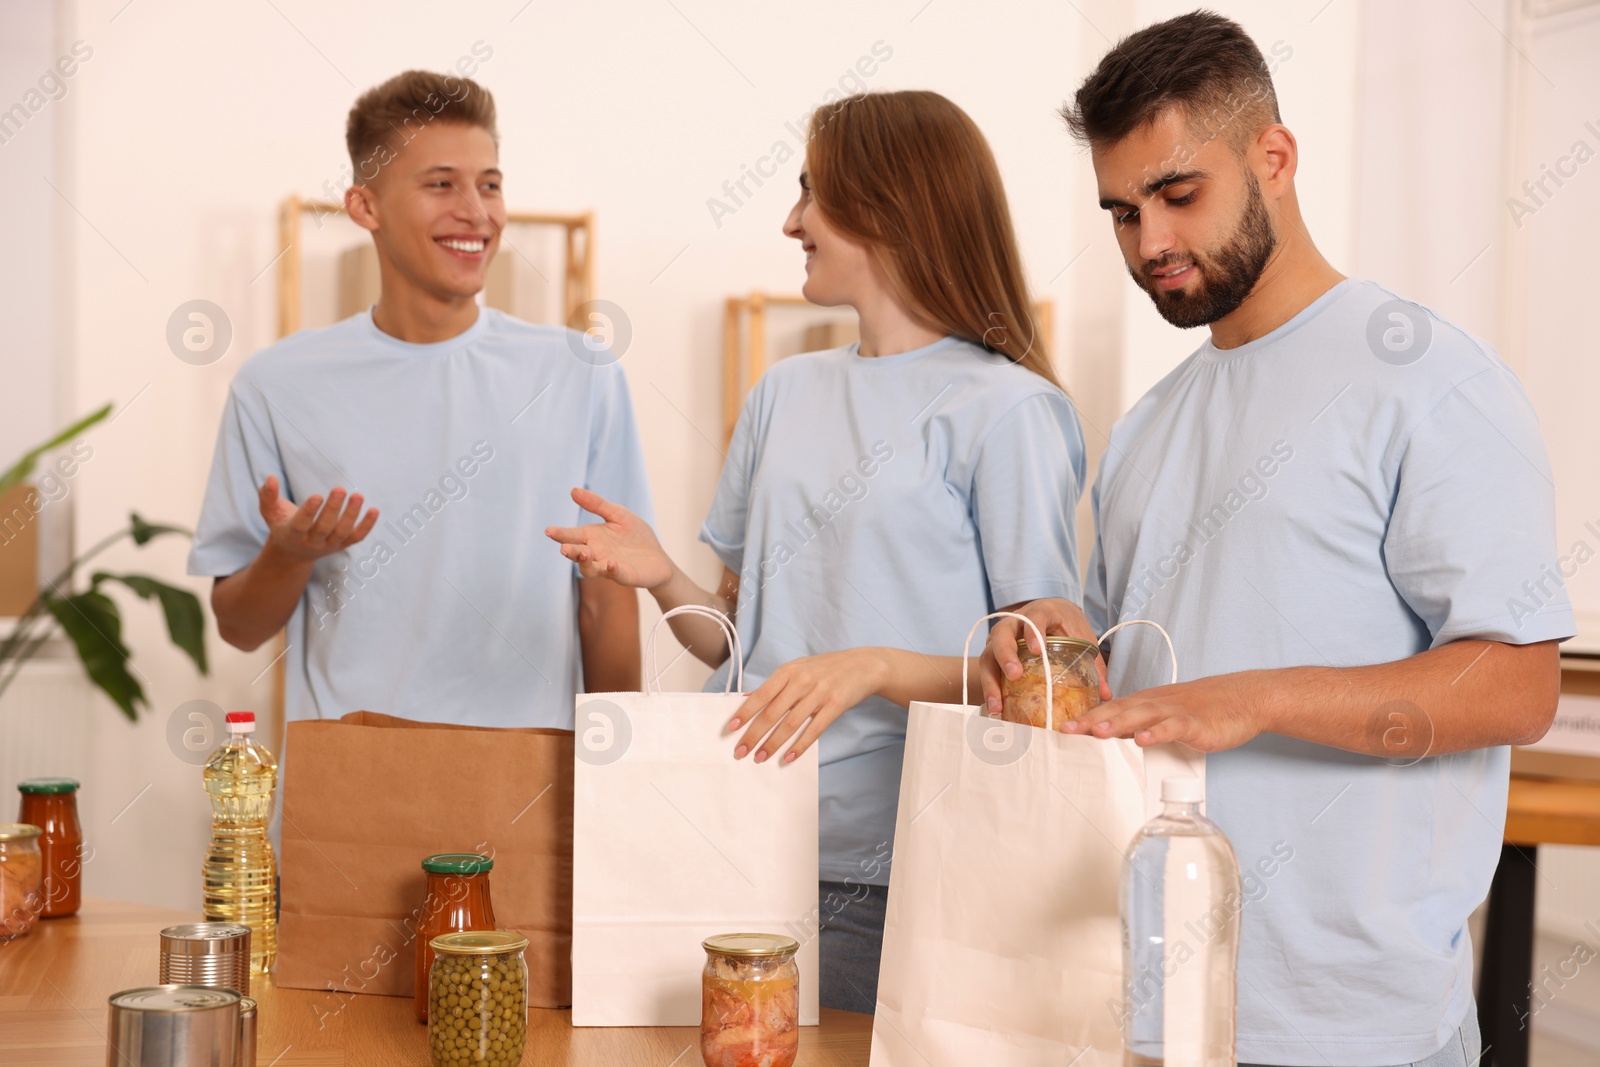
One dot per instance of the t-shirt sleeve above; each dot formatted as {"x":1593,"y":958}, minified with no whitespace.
{"x":616,"y":455}
{"x":1471,"y":542}
{"x":231,"y":530}
{"x":1026,"y":484}
{"x":724,"y":528}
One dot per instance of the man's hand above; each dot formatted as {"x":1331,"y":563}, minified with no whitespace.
{"x":623,"y":548}
{"x":316,"y":528}
{"x":1053,"y":616}
{"x":1207,"y":714}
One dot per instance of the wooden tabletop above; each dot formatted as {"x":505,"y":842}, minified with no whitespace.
{"x":1552,"y":811}
{"x":55,"y":980}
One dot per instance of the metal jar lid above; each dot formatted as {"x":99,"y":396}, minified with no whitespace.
{"x":1060,"y":644}
{"x":48,"y":785}
{"x":479,"y":943}
{"x":458,"y":863}
{"x":18,"y":831}
{"x":751,"y":946}
{"x":205,"y":939}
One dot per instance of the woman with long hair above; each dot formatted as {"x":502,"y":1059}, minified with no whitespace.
{"x":880,"y":497}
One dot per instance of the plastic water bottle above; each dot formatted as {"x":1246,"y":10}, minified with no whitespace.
{"x":241,"y":872}
{"x":1180,"y":937}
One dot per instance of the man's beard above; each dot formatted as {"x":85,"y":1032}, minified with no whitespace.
{"x":1225,"y":278}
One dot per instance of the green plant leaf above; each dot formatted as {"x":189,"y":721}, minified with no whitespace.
{"x":30,"y":460}
{"x":145,"y":532}
{"x":186,"y":622}
{"x":92,"y":621}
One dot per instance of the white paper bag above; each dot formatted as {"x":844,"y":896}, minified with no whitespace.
{"x":675,"y":841}
{"x":1003,"y":941}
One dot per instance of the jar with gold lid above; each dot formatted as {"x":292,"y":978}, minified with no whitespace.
{"x":478,"y":999}
{"x":21,"y":879}
{"x":750,"y":1001}
{"x":1075,"y":680}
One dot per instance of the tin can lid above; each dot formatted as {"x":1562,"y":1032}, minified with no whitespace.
{"x":48,"y":785}
{"x":247,"y":1006}
{"x":479,"y":943}
{"x":751,"y":945}
{"x":18,"y":831}
{"x":458,"y":863}
{"x":204,"y":939}
{"x":173,"y":998}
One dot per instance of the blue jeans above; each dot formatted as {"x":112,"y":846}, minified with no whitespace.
{"x":1462,"y":1050}
{"x":851,"y":924}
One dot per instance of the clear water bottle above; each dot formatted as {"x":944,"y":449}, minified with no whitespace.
{"x":241,"y":872}
{"x":1180,"y":937}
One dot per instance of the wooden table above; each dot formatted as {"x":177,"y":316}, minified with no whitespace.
{"x":54,"y":983}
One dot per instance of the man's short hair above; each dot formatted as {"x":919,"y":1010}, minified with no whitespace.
{"x":1202,"y":63}
{"x":389,"y":115}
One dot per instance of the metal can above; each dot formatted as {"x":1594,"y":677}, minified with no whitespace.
{"x":245,"y":1056}
{"x":478,"y":999}
{"x":172,"y":1026}
{"x":21,"y":879}
{"x":750,"y":1000}
{"x":212,"y":954}
{"x":1075,"y":681}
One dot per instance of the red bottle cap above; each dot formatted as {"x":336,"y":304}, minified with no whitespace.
{"x":241,"y":716}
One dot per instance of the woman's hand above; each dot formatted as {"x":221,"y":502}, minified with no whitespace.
{"x":622,"y":548}
{"x":815,"y":688}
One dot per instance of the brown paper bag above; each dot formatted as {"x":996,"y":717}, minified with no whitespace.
{"x":367,"y":797}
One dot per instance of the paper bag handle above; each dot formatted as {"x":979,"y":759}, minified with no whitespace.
{"x":1049,"y":680}
{"x":652,"y":683}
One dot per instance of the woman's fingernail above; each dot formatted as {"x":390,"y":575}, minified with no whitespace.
{"x":791,"y":757}
{"x":761,"y":757}
{"x":741,"y":752}
{"x":734,"y":725}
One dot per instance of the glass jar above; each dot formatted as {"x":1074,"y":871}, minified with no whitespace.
{"x":21,"y":879}
{"x":51,"y":804}
{"x":457,"y":900}
{"x":750,"y":1001}
{"x":478,"y":999}
{"x":1077,"y":683}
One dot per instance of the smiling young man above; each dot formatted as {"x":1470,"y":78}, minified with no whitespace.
{"x":1333,"y":506}
{"x":463,"y":426}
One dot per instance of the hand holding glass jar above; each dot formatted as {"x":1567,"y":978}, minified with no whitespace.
{"x":1075,"y":679}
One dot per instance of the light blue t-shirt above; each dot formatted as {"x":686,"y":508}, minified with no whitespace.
{"x":456,"y":607}
{"x":1321,"y":496}
{"x":889,"y":501}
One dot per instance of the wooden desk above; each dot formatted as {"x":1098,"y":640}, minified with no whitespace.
{"x":1539,"y":811}
{"x":54,"y":983}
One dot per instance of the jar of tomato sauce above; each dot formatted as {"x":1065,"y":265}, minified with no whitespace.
{"x":457,"y":900}
{"x":51,"y":804}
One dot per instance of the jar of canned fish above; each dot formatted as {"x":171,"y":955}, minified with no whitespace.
{"x":21,"y":879}
{"x":1072,"y":670}
{"x":750,"y":1001}
{"x":478,"y":999}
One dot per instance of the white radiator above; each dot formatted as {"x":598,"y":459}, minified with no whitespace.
{"x":44,"y":721}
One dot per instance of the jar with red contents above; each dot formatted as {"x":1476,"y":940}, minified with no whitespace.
{"x":457,"y":900}
{"x":51,"y":804}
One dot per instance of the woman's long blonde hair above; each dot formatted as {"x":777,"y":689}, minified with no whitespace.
{"x":910,"y":175}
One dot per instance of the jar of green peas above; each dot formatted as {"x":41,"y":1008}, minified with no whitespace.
{"x":478,"y":999}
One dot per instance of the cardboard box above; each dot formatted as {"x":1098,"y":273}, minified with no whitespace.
{"x":19,"y":548}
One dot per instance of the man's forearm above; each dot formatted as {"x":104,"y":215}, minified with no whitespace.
{"x":1460,"y":696}
{"x":253,"y":604}
{"x":608,"y":635}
